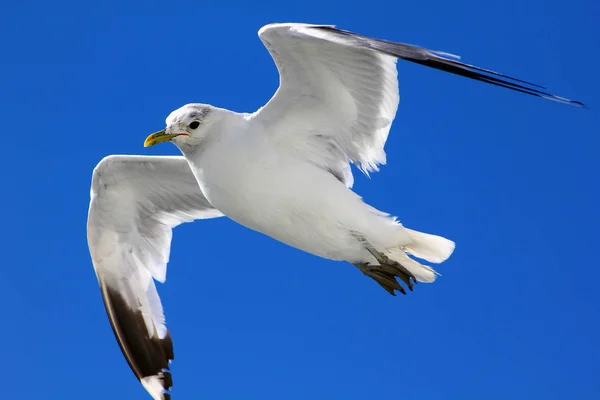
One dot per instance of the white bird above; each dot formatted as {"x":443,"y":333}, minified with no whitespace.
{"x":283,"y":170}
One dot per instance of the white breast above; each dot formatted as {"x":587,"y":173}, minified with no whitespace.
{"x":241,"y":176}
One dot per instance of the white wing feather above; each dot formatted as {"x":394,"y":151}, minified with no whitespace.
{"x":338,"y":92}
{"x":337,"y":98}
{"x":135,"y":203}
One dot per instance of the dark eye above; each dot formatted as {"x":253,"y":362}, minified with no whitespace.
{"x":194,"y":124}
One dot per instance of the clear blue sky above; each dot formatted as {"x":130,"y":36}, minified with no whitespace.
{"x":514,"y":180}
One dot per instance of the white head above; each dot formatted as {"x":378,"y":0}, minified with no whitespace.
{"x":186,"y":126}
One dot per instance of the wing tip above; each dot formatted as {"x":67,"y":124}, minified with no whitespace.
{"x":148,"y":356}
{"x":450,"y":63}
{"x":158,"y":385}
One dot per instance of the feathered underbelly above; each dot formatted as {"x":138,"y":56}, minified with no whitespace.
{"x":304,"y":207}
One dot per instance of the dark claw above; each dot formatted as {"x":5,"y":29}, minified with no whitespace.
{"x":386,"y":279}
{"x":388,"y":289}
{"x":385,"y":275}
{"x":405,"y":278}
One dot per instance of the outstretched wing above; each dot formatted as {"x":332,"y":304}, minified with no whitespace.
{"x":135,"y":203}
{"x":339,"y":91}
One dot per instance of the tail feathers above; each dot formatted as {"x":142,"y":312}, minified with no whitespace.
{"x":422,"y":273}
{"x":428,"y":247}
{"x":432,"y":248}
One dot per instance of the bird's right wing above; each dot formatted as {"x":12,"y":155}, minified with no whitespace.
{"x":135,"y":203}
{"x":338,"y":92}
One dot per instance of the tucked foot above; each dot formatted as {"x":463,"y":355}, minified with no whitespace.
{"x":406,"y":275}
{"x":386,"y":272}
{"x":384,"y":260}
{"x":386,"y":275}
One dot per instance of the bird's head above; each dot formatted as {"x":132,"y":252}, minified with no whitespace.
{"x":186,"y":126}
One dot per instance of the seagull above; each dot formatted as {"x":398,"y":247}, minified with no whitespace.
{"x":283,"y":171}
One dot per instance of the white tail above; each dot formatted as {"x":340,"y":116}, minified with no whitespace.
{"x":432,"y":248}
{"x":423,"y":245}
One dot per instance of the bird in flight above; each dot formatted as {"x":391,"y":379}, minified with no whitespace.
{"x":283,"y":170}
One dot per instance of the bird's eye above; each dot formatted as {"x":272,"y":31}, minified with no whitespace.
{"x":194,"y":124}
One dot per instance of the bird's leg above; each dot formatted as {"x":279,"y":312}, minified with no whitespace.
{"x":386,"y":271}
{"x":383,"y":275}
{"x":384,"y":260}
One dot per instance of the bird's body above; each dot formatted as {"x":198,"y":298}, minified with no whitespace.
{"x":284,"y":170}
{"x":287,"y":197}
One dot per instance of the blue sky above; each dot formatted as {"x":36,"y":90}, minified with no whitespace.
{"x":512,"y":179}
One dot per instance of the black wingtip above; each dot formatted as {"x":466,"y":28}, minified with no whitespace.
{"x":441,"y":61}
{"x":146,"y":356}
{"x":493,"y":78}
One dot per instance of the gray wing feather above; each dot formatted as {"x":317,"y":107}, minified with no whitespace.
{"x":135,"y":203}
{"x":440,"y":60}
{"x":338,"y":91}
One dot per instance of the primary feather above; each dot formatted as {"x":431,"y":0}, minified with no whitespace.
{"x":135,"y":203}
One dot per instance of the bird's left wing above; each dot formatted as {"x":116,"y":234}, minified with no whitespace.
{"x":338,"y":91}
{"x":135,"y":203}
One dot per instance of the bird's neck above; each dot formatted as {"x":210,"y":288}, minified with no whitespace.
{"x":222,"y":128}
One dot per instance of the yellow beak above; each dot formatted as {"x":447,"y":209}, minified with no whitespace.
{"x":159,"y":137}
